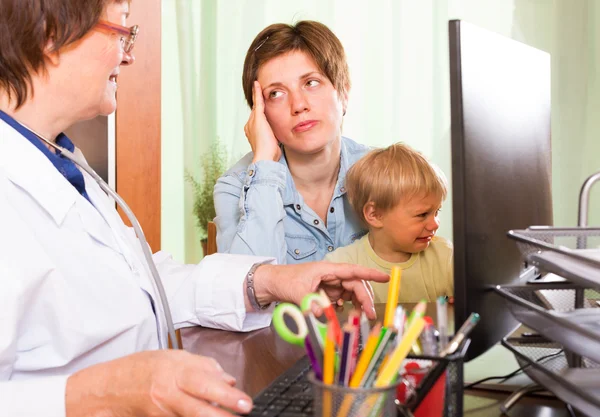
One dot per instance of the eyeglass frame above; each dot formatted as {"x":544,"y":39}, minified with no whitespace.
{"x":128,"y":35}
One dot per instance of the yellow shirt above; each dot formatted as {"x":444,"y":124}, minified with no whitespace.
{"x":426,"y":275}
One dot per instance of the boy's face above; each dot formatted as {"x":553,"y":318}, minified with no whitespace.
{"x":410,"y":226}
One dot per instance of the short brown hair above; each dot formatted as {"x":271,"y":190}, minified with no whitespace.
{"x":26,"y":27}
{"x":313,"y":38}
{"x":388,"y":176}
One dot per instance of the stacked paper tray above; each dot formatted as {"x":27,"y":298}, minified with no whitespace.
{"x":550,"y":311}
{"x":539,"y":238}
{"x":546,"y":364}
{"x":572,"y":253}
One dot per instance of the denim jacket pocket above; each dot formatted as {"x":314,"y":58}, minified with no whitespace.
{"x":300,"y":247}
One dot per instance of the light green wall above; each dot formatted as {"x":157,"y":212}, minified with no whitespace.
{"x":174,"y":214}
{"x":188,"y":116}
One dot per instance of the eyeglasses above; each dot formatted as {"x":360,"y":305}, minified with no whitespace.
{"x":128,"y":35}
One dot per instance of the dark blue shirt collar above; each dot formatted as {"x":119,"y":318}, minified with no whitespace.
{"x":66,"y":167}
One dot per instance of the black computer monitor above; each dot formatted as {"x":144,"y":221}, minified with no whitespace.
{"x":501,"y":168}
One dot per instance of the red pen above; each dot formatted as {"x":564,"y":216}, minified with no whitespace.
{"x":354,"y":321}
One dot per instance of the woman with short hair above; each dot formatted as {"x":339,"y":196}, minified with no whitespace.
{"x":287,"y":197}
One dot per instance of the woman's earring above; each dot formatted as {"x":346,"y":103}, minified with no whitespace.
{"x":344,"y":112}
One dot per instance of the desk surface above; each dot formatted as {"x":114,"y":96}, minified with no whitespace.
{"x":256,"y":358}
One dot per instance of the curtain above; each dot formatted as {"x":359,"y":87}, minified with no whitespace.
{"x":398,"y":56}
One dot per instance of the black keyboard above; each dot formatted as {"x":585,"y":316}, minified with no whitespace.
{"x":290,"y":395}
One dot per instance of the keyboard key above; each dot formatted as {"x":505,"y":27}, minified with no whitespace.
{"x":281,"y":403}
{"x":294,"y":408}
{"x":288,"y":396}
{"x":302,"y":403}
{"x":295,"y":390}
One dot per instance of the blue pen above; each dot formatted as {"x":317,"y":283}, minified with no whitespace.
{"x":347,"y":343}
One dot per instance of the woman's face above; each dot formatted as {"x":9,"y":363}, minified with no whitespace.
{"x":302,"y":106}
{"x":88,"y":69}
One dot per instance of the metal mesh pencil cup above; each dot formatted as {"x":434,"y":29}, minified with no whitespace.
{"x":338,"y":401}
{"x":454,"y":382}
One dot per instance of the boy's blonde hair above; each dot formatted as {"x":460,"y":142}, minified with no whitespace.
{"x":388,"y":176}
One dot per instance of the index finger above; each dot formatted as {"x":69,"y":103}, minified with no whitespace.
{"x":361,"y":297}
{"x":259,"y":103}
{"x":349,"y":271}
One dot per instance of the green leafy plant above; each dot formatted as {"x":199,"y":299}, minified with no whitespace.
{"x":213,"y":165}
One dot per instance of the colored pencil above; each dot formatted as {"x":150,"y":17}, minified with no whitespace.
{"x":390,"y":372}
{"x":392,"y":298}
{"x":365,"y":357}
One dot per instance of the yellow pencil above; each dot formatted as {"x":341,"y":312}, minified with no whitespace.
{"x":329,"y":358}
{"x":392,"y":299}
{"x":388,"y":374}
{"x":328,"y":369}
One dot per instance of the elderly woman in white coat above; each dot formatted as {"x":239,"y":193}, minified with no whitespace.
{"x":80,"y":318}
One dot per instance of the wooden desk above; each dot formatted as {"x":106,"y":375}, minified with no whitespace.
{"x":255,"y":359}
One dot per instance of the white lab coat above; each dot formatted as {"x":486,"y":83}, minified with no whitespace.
{"x":75,"y":289}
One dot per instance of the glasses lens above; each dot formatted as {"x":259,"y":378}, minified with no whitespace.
{"x":127,"y":45}
{"x":130,"y":40}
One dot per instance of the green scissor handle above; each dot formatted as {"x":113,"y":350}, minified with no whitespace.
{"x":297,"y":336}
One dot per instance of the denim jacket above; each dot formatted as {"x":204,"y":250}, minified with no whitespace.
{"x":260,"y":212}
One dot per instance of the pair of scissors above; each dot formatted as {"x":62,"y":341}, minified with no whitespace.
{"x":296,"y":336}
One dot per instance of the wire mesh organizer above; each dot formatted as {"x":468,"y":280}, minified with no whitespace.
{"x":546,"y":363}
{"x":563,"y":310}
{"x":551,"y":312}
{"x":572,"y":252}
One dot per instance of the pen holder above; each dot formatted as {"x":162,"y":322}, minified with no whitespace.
{"x":339,"y":401}
{"x":438,"y":390}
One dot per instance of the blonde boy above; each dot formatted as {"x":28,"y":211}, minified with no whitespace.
{"x":398,"y":194}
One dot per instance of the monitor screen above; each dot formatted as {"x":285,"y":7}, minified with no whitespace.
{"x":501,"y":168}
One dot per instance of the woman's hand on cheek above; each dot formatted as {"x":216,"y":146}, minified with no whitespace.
{"x":265,"y":146}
